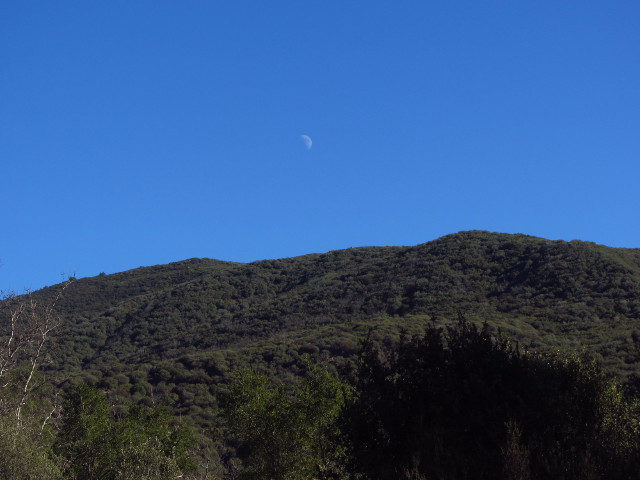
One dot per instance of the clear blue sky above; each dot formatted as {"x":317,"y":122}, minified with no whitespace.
{"x":145,"y":132}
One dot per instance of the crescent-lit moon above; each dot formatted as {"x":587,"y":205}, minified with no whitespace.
{"x":307,"y":141}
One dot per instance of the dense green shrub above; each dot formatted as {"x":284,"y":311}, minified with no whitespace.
{"x":25,"y":452}
{"x":143,"y":445}
{"x":468,"y":404}
{"x":287,"y":432}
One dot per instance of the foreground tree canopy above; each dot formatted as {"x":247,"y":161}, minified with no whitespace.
{"x":142,"y":445}
{"x":458,"y":403}
{"x":47,"y":433}
{"x":467,"y":404}
{"x":288,"y":431}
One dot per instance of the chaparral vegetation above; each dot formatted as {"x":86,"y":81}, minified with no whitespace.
{"x":475,"y":356}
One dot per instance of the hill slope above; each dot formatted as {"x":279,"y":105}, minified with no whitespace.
{"x":177,"y":329}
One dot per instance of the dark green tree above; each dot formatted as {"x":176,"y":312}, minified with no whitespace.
{"x":288,"y":431}
{"x":143,"y":445}
{"x":25,"y":451}
{"x":467,"y":404}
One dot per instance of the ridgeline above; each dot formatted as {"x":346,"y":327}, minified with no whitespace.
{"x":174,"y":332}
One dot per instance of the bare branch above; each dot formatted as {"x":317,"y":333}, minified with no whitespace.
{"x":27,"y":333}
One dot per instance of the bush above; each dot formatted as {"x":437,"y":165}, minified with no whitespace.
{"x":467,"y":404}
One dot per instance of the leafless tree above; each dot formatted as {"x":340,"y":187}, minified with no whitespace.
{"x":24,"y":335}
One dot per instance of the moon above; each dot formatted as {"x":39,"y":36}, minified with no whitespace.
{"x":307,"y":141}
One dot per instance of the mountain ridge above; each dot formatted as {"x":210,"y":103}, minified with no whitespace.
{"x":180,"y":328}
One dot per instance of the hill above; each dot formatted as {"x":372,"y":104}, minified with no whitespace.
{"x":173,"y":332}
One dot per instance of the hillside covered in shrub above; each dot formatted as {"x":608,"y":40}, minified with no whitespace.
{"x":171,"y":335}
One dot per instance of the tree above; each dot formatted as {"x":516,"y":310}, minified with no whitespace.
{"x":25,"y":454}
{"x":23,"y":340}
{"x":466,"y":403}
{"x":143,"y":445}
{"x":287,"y":431}
{"x":25,"y":434}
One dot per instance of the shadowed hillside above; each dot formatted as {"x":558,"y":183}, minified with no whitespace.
{"x":175,"y":330}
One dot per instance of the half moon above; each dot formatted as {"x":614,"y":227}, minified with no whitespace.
{"x":307,"y":141}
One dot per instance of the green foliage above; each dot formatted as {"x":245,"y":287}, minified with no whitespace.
{"x":287,"y":431}
{"x":468,"y":404}
{"x":85,"y":427}
{"x":26,"y":440}
{"x":142,"y":445}
{"x":547,"y":291}
{"x":25,"y":452}
{"x":171,"y":334}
